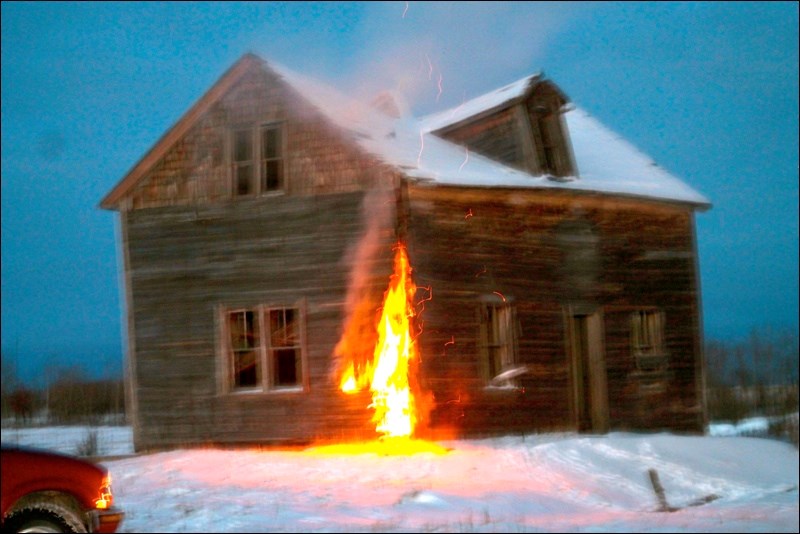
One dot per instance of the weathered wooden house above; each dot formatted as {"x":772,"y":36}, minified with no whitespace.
{"x":559,"y":263}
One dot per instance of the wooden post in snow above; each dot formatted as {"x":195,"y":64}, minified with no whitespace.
{"x":659,"y":490}
{"x":663,"y":505}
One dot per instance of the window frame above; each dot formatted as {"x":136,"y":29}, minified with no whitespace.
{"x":265,"y":350}
{"x":498,"y":340}
{"x":258,"y":161}
{"x":648,"y":340}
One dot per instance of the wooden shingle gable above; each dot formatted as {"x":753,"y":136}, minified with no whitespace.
{"x":184,"y":124}
{"x":196,"y":160}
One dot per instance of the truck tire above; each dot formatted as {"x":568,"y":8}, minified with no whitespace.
{"x":43,"y":517}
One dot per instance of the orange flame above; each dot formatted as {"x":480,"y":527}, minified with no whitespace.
{"x":387,"y":374}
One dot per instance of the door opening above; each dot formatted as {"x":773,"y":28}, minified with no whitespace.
{"x":588,"y":370}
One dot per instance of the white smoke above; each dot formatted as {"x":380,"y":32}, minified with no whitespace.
{"x":434,"y":53}
{"x":440,"y":53}
{"x":358,"y":337}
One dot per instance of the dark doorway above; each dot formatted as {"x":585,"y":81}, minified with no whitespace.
{"x":589,"y":381}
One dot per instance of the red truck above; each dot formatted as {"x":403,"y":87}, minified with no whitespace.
{"x":44,"y":491}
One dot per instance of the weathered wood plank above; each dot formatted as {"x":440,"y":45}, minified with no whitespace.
{"x":614,"y":256}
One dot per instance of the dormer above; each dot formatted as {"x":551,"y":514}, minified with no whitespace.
{"x":520,"y":125}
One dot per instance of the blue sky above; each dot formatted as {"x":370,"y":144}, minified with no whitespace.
{"x":708,"y":90}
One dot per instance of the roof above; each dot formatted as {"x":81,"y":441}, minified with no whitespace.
{"x":497,"y":99}
{"x":606,"y":163}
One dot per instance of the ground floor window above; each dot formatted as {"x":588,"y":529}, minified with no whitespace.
{"x":647,"y":340}
{"x":263,"y":348}
{"x":498,"y":340}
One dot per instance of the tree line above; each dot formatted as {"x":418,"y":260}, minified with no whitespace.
{"x":754,"y":376}
{"x":69,"y":396}
{"x":757,"y":376}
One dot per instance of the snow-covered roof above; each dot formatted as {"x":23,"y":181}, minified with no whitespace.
{"x":491,"y":100}
{"x":606,"y":163}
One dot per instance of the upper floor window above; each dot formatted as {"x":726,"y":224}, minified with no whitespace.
{"x":271,"y":158}
{"x":257,"y":160}
{"x":263,"y":349}
{"x":242,"y":158}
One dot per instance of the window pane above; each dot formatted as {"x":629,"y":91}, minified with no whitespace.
{"x":499,"y":339}
{"x":494,"y":361}
{"x":270,"y":142}
{"x":491,"y":326}
{"x":244,"y":341}
{"x":242,"y":146}
{"x":271,"y":175}
{"x":243,"y":326}
{"x":245,"y":373}
{"x":506,"y":330}
{"x":243,"y":177}
{"x":285,"y":367}
{"x":647,"y":332}
{"x":283,"y":328}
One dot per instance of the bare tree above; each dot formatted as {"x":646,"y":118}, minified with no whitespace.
{"x":757,"y":375}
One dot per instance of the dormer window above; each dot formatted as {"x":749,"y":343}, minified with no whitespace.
{"x":524,"y":129}
{"x":257,"y":160}
{"x":549,"y":132}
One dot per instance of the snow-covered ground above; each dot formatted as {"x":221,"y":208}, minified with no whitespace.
{"x":549,"y":482}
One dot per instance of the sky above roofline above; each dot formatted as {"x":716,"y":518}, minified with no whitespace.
{"x":708,"y":90}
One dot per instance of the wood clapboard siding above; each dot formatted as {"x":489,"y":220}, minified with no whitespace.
{"x":185,"y":262}
{"x":469,"y":245}
{"x":319,"y":157}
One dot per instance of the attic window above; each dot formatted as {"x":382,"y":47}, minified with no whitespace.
{"x":257,"y":156}
{"x":242,"y":162}
{"x":271,"y":158}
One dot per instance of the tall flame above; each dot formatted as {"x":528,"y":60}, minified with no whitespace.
{"x":387,"y":374}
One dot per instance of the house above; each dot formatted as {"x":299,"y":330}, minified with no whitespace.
{"x":557,"y":266}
